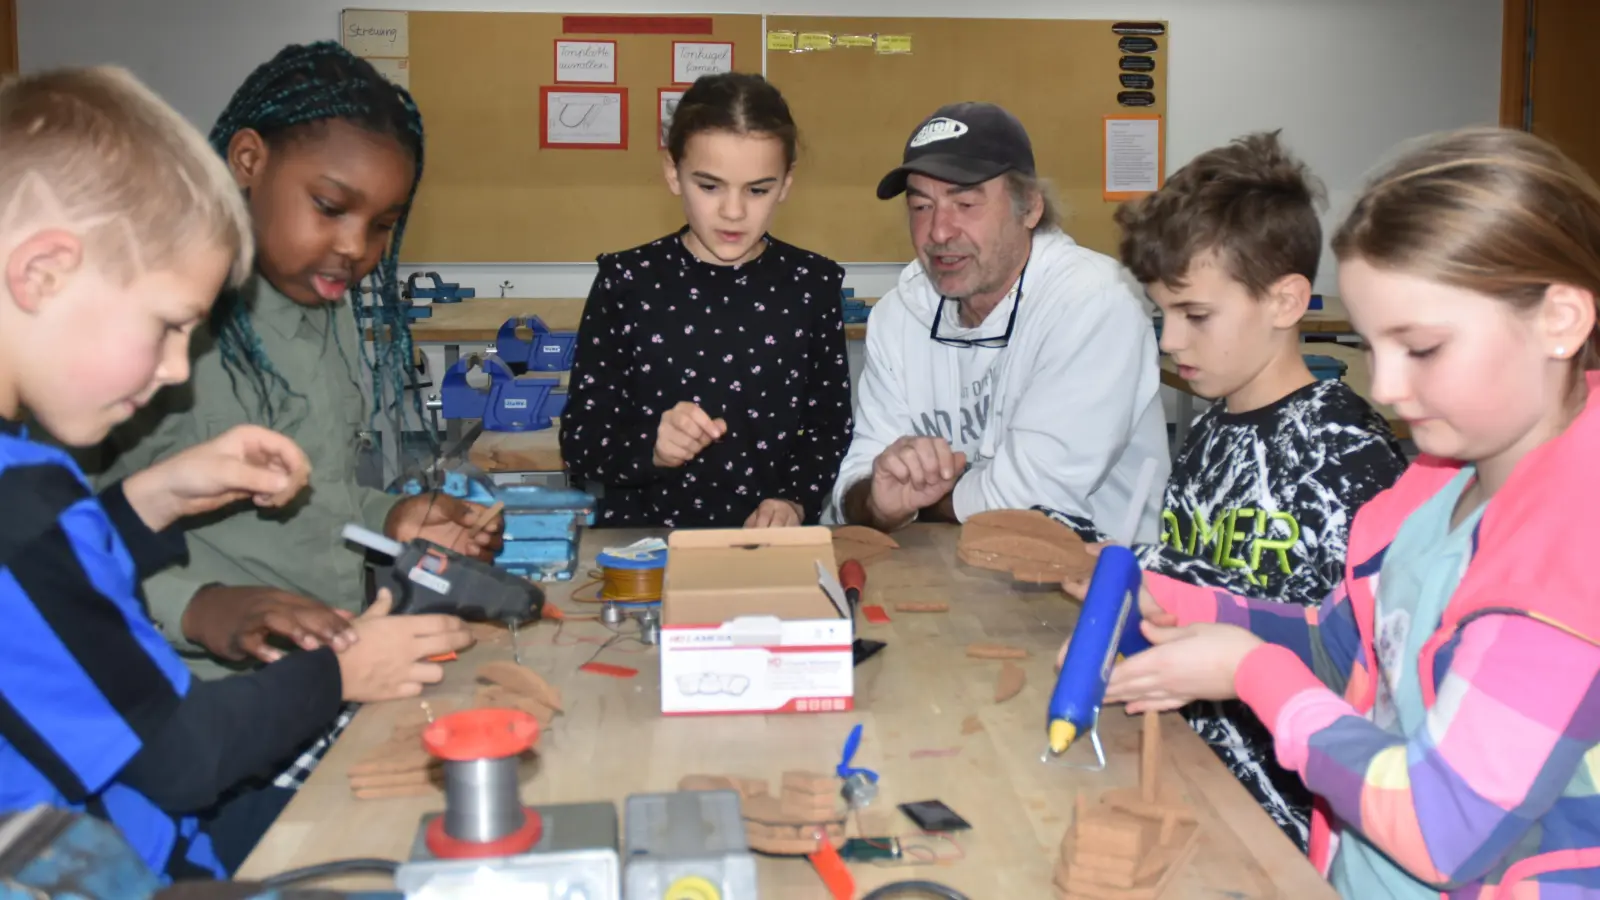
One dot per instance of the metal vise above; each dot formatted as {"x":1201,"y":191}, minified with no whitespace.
{"x":528,"y":345}
{"x":509,"y":402}
{"x":542,"y":525}
{"x":440,"y":291}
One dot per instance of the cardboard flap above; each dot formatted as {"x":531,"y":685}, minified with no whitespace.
{"x":718,"y":574}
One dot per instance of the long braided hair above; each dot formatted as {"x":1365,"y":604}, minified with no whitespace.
{"x":307,"y":84}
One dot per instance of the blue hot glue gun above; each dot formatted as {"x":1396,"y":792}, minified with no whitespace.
{"x":1107,"y":629}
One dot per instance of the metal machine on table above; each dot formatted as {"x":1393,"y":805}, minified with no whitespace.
{"x":484,"y":844}
{"x":507,"y":402}
{"x":853,"y":311}
{"x":518,"y":395}
{"x":437,"y":290}
{"x":542,"y":524}
{"x":526,"y":344}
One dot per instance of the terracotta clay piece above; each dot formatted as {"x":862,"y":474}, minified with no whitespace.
{"x":523,"y":681}
{"x":861,"y":543}
{"x":791,"y":840}
{"x":1010,"y":682}
{"x":1026,"y":543}
{"x":806,"y":809}
{"x":810,"y":783}
{"x":995,"y":651}
{"x":921,"y":607}
{"x":493,"y":695}
{"x":1128,"y":844}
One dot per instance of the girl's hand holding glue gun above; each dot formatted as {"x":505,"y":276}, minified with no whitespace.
{"x":1194,"y":662}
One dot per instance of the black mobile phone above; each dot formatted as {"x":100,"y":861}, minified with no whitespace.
{"x":934,"y":815}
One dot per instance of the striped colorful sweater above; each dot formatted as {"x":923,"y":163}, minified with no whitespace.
{"x":1499,"y":795}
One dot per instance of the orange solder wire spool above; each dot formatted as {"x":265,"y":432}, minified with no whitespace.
{"x":484,"y":815}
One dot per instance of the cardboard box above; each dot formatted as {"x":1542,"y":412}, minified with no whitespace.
{"x":754,"y":621}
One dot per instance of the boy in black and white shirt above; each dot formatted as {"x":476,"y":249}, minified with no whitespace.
{"x":1269,"y":478}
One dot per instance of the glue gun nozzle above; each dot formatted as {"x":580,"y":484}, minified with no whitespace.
{"x":1062,"y":734}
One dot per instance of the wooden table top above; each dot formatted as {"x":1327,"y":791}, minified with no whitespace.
{"x":919,"y":694}
{"x":1330,"y":319}
{"x":527,"y":451}
{"x":1358,"y":374}
{"x":478,"y":321}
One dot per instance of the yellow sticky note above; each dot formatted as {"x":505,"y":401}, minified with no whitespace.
{"x":894,"y":43}
{"x":857,"y":40}
{"x":816,"y":40}
{"x":782,"y":41}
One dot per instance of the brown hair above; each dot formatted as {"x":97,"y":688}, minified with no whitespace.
{"x":1023,"y":188}
{"x":1250,"y":202}
{"x":732,"y":101}
{"x":96,"y":152}
{"x":1490,"y":210}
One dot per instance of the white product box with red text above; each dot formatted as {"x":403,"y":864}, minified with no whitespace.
{"x":752,"y":621}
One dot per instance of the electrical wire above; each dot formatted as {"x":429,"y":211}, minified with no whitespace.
{"x":622,"y":586}
{"x":330,"y":869}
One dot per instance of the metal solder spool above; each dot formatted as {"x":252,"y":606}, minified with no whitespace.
{"x":481,"y":802}
{"x":484,"y":815}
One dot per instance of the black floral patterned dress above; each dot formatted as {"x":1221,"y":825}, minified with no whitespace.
{"x":760,"y":345}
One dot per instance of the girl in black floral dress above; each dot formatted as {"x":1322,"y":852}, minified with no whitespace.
{"x":710,"y":386}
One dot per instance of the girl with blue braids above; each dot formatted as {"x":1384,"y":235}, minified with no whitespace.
{"x":328,"y":154}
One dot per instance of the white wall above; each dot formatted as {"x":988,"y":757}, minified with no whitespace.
{"x":1345,"y":79}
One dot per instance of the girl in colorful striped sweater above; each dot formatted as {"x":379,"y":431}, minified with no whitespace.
{"x":1444,"y":703}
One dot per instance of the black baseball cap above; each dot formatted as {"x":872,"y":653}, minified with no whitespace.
{"x":965,"y":144}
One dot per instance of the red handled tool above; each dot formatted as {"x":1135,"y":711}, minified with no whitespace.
{"x":853,"y":578}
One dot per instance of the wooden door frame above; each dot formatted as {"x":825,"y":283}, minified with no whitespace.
{"x":1514,"y":62}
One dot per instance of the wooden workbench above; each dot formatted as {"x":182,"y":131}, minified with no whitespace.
{"x":478,"y":321}
{"x":920,"y":694}
{"x":509,"y":451}
{"x":1330,"y":319}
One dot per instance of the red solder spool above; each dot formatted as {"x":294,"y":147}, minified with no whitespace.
{"x":484,"y":815}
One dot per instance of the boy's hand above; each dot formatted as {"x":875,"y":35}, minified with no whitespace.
{"x":774,"y":513}
{"x":446,"y":521}
{"x":685,"y":430}
{"x":911,"y":474}
{"x":235,"y":622}
{"x":1196,"y":662}
{"x":390,"y":660}
{"x":245,"y":461}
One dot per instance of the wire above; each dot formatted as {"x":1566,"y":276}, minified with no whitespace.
{"x":330,"y":869}
{"x":622,"y":586}
{"x":915,"y":887}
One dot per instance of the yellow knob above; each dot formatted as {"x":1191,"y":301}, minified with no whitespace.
{"x":1062,"y":733}
{"x":692,"y":887}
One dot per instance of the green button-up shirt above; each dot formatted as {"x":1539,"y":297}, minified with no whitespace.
{"x":297,"y":549}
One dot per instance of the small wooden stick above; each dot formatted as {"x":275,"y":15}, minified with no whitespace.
{"x":420,"y":776}
{"x":1150,"y":758}
{"x":394,"y":762}
{"x":995,"y":651}
{"x":921,"y":607}
{"x":386,"y":793}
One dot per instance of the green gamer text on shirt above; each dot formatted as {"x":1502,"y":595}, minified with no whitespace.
{"x":1241,"y":538}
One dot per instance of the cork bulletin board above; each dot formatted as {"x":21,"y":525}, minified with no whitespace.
{"x":856,"y":109}
{"x":497,"y":189}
